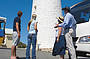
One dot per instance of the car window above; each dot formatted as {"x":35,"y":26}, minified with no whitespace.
{"x":84,"y":39}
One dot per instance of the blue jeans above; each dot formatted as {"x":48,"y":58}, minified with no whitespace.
{"x":32,"y":38}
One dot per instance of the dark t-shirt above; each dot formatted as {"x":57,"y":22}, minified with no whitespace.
{"x":18,"y":20}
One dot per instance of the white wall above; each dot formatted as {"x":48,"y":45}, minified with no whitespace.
{"x":47,"y":11}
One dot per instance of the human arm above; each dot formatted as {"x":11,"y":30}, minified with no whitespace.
{"x":29,"y":25}
{"x":17,"y":28}
{"x":35,"y":26}
{"x":59,"y":33}
{"x":65,"y":23}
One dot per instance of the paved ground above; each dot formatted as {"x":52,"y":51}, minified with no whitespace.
{"x":6,"y":53}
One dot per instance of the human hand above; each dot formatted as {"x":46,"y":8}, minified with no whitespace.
{"x":19,"y":35}
{"x":56,"y":25}
{"x":57,"y":39}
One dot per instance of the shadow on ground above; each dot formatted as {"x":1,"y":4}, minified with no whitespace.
{"x":21,"y":58}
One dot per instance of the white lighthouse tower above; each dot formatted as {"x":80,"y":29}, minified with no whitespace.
{"x":46,"y":11}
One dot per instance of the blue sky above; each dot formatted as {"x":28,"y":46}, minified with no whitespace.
{"x":9,"y":9}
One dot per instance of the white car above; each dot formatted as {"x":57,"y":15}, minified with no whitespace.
{"x":83,"y":45}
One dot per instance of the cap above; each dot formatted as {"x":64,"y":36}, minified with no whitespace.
{"x":66,"y":8}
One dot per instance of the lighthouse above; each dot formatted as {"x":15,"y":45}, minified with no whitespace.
{"x":46,"y":11}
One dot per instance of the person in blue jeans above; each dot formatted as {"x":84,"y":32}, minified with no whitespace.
{"x":32,"y":37}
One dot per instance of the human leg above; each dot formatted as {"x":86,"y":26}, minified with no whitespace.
{"x":34,"y":39}
{"x":28,"y":48}
{"x":61,"y":56}
{"x":14,"y":44}
{"x":13,"y":50}
{"x":70,"y":46}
